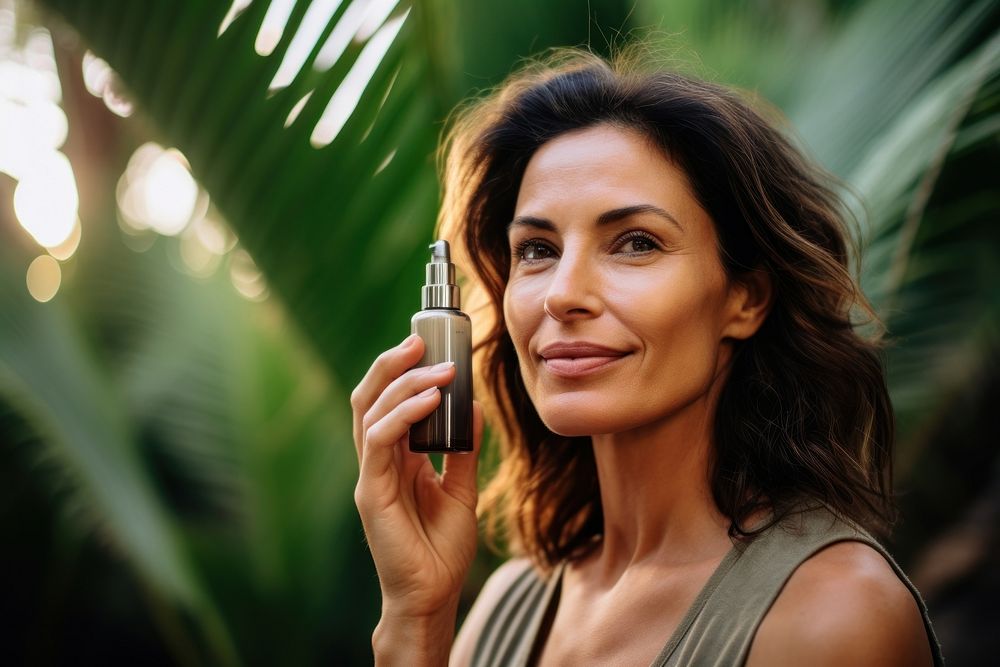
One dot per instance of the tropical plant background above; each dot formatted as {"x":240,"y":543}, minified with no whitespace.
{"x":212,"y":219}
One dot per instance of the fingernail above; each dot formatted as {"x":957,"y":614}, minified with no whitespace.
{"x":409,"y":340}
{"x":442,"y":366}
{"x":427,"y":392}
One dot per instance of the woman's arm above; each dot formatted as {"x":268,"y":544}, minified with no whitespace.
{"x":843,"y":606}
{"x":420,"y":525}
{"x":414,"y":641}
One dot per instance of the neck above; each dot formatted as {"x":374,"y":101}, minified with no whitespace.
{"x":656,"y":495}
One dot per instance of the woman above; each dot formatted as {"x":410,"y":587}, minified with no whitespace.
{"x":695,"y":439}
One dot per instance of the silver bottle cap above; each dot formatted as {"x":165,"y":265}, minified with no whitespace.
{"x":440,"y":290}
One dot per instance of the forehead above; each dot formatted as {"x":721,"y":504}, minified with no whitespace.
{"x":603,"y":166}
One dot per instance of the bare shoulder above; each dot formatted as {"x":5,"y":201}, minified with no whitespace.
{"x":843,"y":606}
{"x":496,"y":585}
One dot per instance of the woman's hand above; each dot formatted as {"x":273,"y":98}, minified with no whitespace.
{"x":421,"y":526}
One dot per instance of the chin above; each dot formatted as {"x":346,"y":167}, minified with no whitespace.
{"x":581,"y":418}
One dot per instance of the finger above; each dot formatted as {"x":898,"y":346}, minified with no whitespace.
{"x":387,"y":367}
{"x":382,"y":437}
{"x":458,"y":478}
{"x":410,"y":383}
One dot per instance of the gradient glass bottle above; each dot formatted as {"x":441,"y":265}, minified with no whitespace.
{"x":447,"y":335}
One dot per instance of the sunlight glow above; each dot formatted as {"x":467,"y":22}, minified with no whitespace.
{"x":198,"y":259}
{"x":20,"y":82}
{"x":247,"y":279}
{"x":47,"y":123}
{"x":214,"y":235}
{"x":273,"y":26}
{"x":43,"y":278}
{"x":170,"y":193}
{"x":29,"y":73}
{"x":311,"y":29}
{"x":32,"y":129}
{"x":39,"y":54}
{"x":157,"y":190}
{"x":65,"y":250}
{"x":8,"y":25}
{"x":46,"y":199}
{"x":116,"y":101}
{"x":346,"y":98}
{"x":137,"y":240}
{"x":96,"y":73}
{"x":102,"y":81}
{"x":28,"y":130}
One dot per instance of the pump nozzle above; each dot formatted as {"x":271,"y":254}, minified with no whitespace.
{"x":440,"y":252}
{"x":440,"y":290}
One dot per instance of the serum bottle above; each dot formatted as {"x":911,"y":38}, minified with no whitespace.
{"x":447,"y":335}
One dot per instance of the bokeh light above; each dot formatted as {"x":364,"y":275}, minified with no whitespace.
{"x":32,"y":129}
{"x":27,"y":129}
{"x":46,"y":199}
{"x":31,"y":121}
{"x":29,"y":73}
{"x":65,"y":250}
{"x":116,"y":101}
{"x":102,"y":81}
{"x":96,"y":73}
{"x":214,"y":235}
{"x":247,"y":279}
{"x":43,"y":278}
{"x":197,"y":258}
{"x":158,"y":192}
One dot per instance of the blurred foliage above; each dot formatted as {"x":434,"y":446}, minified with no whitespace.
{"x":204,"y":443}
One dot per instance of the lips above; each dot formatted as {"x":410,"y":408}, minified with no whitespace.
{"x":575,"y":359}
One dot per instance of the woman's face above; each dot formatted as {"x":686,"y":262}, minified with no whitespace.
{"x":617,"y":303}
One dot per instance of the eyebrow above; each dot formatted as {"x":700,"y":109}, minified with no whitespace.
{"x":606,"y":218}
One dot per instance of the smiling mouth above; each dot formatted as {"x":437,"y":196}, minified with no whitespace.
{"x":571,"y":367}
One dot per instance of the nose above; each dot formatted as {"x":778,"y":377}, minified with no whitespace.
{"x":573,"y":292}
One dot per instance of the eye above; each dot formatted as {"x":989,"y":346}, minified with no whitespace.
{"x":637,"y":243}
{"x":532,"y":250}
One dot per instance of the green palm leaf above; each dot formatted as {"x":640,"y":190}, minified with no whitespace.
{"x":332,"y":249}
{"x":935,"y":304}
{"x":50,"y":376}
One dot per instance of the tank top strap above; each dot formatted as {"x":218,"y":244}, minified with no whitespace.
{"x":718,"y":629}
{"x":512,"y":626}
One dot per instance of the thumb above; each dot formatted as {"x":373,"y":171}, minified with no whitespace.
{"x":458,"y":478}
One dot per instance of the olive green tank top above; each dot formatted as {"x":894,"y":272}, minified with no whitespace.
{"x":720,"y":624}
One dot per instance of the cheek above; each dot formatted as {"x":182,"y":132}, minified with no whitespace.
{"x":679,"y":323}
{"x":522,"y":311}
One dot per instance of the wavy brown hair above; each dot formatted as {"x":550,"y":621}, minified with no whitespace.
{"x":804,"y":415}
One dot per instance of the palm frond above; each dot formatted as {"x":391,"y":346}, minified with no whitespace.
{"x":49,"y":375}
{"x":311,"y":225}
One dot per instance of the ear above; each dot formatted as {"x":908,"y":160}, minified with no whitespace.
{"x":750,"y":299}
